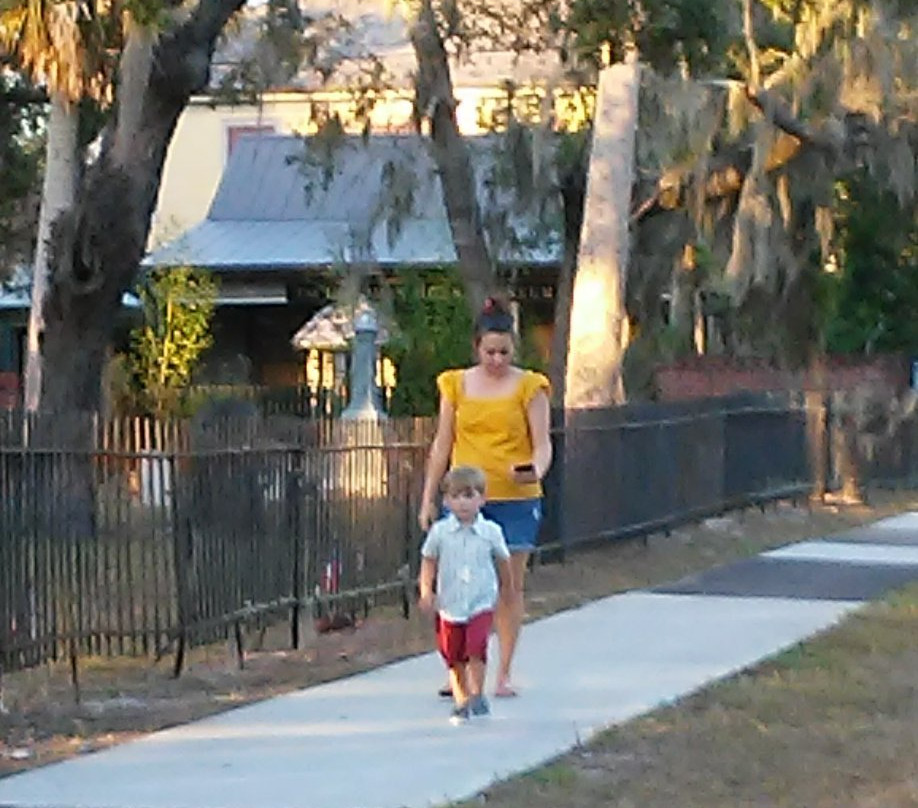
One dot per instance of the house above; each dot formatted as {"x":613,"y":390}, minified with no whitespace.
{"x":15,"y":300}
{"x":14,"y":314}
{"x":290,"y":216}
{"x":366,"y":66}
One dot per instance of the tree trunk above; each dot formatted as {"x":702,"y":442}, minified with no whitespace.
{"x":435,"y":100}
{"x":98,"y":244}
{"x":751,"y":256}
{"x":683,"y":303}
{"x":598,"y":319}
{"x":557,"y":369}
{"x":57,"y":195}
{"x":573,"y":191}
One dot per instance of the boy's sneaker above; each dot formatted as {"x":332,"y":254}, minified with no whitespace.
{"x":479,"y":707}
{"x":459,"y":715}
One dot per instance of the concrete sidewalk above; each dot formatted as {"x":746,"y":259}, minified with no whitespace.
{"x":381,"y":739}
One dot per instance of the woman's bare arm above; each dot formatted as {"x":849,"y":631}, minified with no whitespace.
{"x":539,"y":415}
{"x":438,"y":460}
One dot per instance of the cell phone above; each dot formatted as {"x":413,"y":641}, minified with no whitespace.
{"x":524,"y":468}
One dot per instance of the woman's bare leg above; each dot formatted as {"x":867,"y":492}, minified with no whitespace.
{"x":508,"y":618}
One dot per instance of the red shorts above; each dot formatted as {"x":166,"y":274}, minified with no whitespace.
{"x":458,"y":642}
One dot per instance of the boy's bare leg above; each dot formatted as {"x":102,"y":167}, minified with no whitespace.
{"x":459,"y":683}
{"x":476,"y":677}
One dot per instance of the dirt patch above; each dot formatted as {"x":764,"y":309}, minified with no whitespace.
{"x":122,"y":698}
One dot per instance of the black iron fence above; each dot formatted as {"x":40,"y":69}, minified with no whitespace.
{"x":138,"y":536}
{"x":646,"y":467}
{"x":301,"y":400}
{"x":142,"y":536}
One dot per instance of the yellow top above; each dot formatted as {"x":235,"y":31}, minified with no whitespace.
{"x":493,"y":433}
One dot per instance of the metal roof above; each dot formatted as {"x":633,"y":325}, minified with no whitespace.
{"x":21,"y":300}
{"x":283,"y":203}
{"x":16,"y":293}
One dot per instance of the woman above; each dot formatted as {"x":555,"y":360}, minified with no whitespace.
{"x":495,"y":415}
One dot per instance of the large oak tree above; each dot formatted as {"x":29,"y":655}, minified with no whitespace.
{"x":98,"y":243}
{"x":738,"y":158}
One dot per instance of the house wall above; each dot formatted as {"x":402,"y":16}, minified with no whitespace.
{"x":10,"y":364}
{"x":10,"y":347}
{"x":252,"y":343}
{"x":252,"y":346}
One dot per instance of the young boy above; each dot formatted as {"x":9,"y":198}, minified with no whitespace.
{"x":466,"y":554}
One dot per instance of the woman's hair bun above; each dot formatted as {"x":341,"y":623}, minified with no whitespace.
{"x":495,"y":316}
{"x":495,"y":304}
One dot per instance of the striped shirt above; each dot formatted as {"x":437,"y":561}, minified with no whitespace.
{"x":467,"y":582}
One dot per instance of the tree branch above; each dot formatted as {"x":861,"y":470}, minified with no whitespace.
{"x":650,"y":205}
{"x":751,"y":47}
{"x":727,"y":176}
{"x":182,"y":56}
{"x":210,"y":17}
{"x":780,"y":116}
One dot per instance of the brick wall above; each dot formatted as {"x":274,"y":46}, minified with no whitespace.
{"x":701,"y":376}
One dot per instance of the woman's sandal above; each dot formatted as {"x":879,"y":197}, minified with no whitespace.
{"x":505,"y":690}
{"x":445,"y":692}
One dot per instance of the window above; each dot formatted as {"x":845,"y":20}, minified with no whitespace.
{"x":233,"y":133}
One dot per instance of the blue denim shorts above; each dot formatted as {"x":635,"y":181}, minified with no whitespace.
{"x":519,"y":519}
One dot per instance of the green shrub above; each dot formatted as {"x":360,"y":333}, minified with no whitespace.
{"x":178,"y":305}
{"x":433,"y":333}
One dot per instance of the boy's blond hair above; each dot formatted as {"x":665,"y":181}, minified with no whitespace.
{"x":462,"y":479}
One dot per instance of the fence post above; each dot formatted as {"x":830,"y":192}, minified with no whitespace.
{"x":845,"y":447}
{"x":554,"y":529}
{"x":723,"y":450}
{"x":817,"y":441}
{"x":183,"y":560}
{"x":295,"y":494}
{"x":410,"y":552}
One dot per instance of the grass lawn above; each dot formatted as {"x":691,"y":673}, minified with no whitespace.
{"x":831,"y":722}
